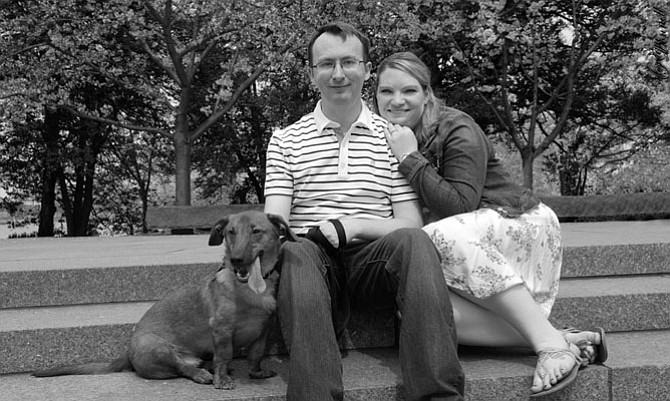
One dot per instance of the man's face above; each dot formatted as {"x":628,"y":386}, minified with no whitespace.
{"x":341,"y":71}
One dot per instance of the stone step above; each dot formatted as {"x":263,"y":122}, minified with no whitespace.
{"x":636,"y":370}
{"x":616,"y":248}
{"x":52,"y":287}
{"x":45,"y":336}
{"x":622,"y":303}
{"x":65,"y":271}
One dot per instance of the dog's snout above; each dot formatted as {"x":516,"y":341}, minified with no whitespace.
{"x":236,"y":261}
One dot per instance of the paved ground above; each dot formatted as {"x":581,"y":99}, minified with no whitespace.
{"x":73,"y":253}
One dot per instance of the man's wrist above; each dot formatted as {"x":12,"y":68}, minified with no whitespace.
{"x":403,"y":157}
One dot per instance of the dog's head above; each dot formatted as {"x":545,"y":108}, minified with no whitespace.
{"x":251,"y":244}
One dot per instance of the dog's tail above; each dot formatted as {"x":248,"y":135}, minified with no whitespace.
{"x":118,"y":365}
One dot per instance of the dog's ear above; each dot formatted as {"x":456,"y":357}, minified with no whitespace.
{"x":282,"y":226}
{"x":216,"y":235}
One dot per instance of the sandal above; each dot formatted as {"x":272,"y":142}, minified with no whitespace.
{"x":555,"y":353}
{"x":590,"y":352}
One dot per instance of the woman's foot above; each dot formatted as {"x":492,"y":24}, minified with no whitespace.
{"x":556,"y":368}
{"x":591,"y":343}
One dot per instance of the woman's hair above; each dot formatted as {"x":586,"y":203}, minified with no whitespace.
{"x":410,"y":64}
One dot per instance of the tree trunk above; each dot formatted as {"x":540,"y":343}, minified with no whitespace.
{"x":572,"y":177}
{"x":144,"y":188}
{"x":47,"y":205}
{"x":182,"y":151}
{"x":527,"y":160}
{"x":91,"y":137}
{"x":50,"y":165}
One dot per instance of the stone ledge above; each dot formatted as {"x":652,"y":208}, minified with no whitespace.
{"x":614,"y":260}
{"x":368,"y":375}
{"x":41,"y":337}
{"x":622,"y":207}
{"x":637,"y":369}
{"x":32,"y":288}
{"x":76,"y":334}
{"x":185,"y":219}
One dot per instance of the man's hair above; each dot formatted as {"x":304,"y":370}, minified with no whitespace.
{"x":343,"y":30}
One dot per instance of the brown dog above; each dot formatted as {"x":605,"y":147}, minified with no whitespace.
{"x":230,"y":311}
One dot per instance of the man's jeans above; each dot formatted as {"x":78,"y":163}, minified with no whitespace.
{"x":399,"y":270}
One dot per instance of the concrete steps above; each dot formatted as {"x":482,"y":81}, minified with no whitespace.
{"x":76,"y":300}
{"x":637,"y":369}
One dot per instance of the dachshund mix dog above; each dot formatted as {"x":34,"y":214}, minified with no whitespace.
{"x":232,"y":310}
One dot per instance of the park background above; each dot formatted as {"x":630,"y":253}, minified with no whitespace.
{"x":110,"y":107}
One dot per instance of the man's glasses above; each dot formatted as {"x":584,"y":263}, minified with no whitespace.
{"x":328,"y":66}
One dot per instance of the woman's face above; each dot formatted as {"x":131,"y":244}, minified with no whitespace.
{"x":400,"y":98}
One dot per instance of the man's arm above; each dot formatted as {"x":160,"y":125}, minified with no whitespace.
{"x":406,"y":214}
{"x":278,"y":204}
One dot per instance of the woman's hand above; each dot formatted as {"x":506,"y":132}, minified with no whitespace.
{"x":400,"y":139}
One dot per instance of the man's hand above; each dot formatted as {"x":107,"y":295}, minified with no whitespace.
{"x":329,"y":234}
{"x":328,"y":230}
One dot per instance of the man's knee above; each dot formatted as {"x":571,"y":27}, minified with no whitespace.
{"x":409,"y":232}
{"x":411,"y":239}
{"x":301,"y":272}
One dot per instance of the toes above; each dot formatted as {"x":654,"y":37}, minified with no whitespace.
{"x":589,"y":353}
{"x":543,"y":378}
{"x":552,"y":366}
{"x":581,"y":338}
{"x":538,"y":384}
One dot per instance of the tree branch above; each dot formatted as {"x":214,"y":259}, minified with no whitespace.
{"x":229,"y":105}
{"x":26,"y":49}
{"x":154,"y":57}
{"x":132,"y":127}
{"x":238,"y":92}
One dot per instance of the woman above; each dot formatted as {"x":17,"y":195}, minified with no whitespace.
{"x":500,"y":246}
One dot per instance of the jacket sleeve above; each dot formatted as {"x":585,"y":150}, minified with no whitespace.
{"x":455,"y":182}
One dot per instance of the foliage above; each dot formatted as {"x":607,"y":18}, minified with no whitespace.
{"x":120,"y":85}
{"x":125,"y":182}
{"x":531,"y":63}
{"x":646,"y":171}
{"x":232,"y":155}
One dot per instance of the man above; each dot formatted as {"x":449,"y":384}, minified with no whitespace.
{"x":332,"y":176}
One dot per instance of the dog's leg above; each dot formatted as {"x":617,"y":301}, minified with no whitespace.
{"x":257,"y":352}
{"x":222,"y":332}
{"x":155,"y":358}
{"x":195,"y":373}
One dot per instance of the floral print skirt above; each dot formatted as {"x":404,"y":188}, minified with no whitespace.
{"x":483,"y":253}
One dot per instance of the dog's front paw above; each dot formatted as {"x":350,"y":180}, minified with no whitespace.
{"x":261,"y":374}
{"x":223,"y":383}
{"x":203,"y":377}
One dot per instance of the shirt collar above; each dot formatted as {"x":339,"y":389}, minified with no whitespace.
{"x":364,"y":119}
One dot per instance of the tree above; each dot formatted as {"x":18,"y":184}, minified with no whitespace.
{"x":527,"y":61}
{"x":628,"y":126}
{"x":233,"y":154}
{"x":126,"y":180}
{"x":164,"y":45}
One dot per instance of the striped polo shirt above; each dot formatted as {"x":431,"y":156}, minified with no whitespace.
{"x":330,"y":174}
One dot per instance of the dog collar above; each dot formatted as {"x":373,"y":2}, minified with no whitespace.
{"x":275,"y":268}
